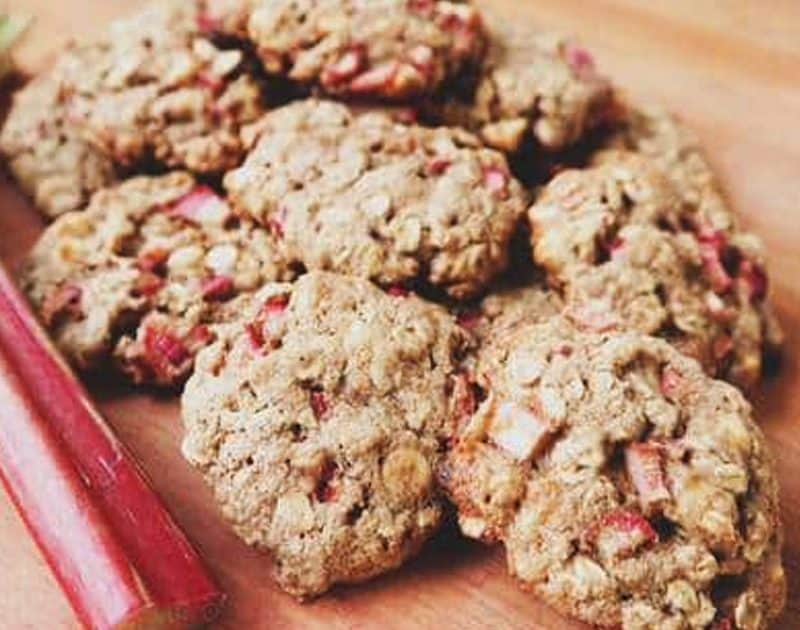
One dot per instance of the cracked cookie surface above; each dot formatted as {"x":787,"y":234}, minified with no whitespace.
{"x":319,"y":418}
{"x":533,"y":86}
{"x":628,"y":488}
{"x":628,"y":253}
{"x":50,"y":160}
{"x":385,"y":49}
{"x":154,"y":88}
{"x":673,"y":148}
{"x":142,"y":273}
{"x":364,"y":195}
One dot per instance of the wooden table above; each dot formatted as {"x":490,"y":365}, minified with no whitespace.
{"x":731,"y":69}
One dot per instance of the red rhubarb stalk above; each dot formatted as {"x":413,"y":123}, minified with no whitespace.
{"x":115,"y":550}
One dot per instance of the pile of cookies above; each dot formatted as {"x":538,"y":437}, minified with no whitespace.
{"x":405,"y":262}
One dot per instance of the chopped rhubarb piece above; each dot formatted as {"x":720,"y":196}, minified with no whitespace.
{"x":319,"y":404}
{"x":519,"y":430}
{"x":375,"y":80}
{"x":208,"y":24}
{"x":644,"y":465}
{"x":350,"y":64}
{"x":256,"y":336}
{"x":496,"y":180}
{"x":276,"y":306}
{"x":670,"y":383}
{"x":723,"y":347}
{"x":579,"y":59}
{"x":218,"y":289}
{"x":199,"y":337}
{"x":211,"y":82}
{"x":63,"y":303}
{"x":618,"y":249}
{"x":326,"y":490}
{"x":149,"y":284}
{"x":470,"y":320}
{"x":422,"y":7}
{"x":161,"y":343}
{"x":202,"y":205}
{"x":713,"y":246}
{"x":398,"y":291}
{"x":437,"y":166}
{"x":263,"y":332}
{"x":754,"y":279}
{"x":277,"y":224}
{"x":723,"y":624}
{"x":114,"y":549}
{"x":276,"y":228}
{"x":154,"y":260}
{"x":621,"y":533}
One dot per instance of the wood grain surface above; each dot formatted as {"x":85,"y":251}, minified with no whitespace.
{"x":730,"y":68}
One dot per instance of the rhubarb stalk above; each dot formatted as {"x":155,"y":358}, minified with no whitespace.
{"x":115,"y":550}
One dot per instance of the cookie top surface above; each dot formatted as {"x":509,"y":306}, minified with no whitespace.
{"x":385,"y":49}
{"x":508,"y":306}
{"x":629,"y":254}
{"x":155,"y":89}
{"x":318,"y":419}
{"x":51,"y":162}
{"x":367,"y":196}
{"x":655,"y":133}
{"x":628,"y":488}
{"x":533,"y":86}
{"x":142,"y":272}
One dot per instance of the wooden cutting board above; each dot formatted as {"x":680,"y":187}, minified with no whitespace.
{"x":731,"y":69}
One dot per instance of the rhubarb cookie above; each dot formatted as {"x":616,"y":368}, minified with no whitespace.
{"x":654,"y":133}
{"x":533,"y":87}
{"x":319,"y":419}
{"x":52,"y":163}
{"x":143,"y":272}
{"x":365,"y":195}
{"x":629,"y":254}
{"x":156,"y":89}
{"x":628,"y":488}
{"x":384,"y":49}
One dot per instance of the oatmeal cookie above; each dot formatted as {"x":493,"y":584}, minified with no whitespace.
{"x":319,"y":420}
{"x":628,"y":253}
{"x":386,"y":49}
{"x":52,"y":163}
{"x":156,"y":89}
{"x":533,"y":86}
{"x":671,"y":146}
{"x":628,"y":488}
{"x":367,"y":196}
{"x":142,"y":273}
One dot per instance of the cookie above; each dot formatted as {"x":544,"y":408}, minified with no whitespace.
{"x":628,"y":488}
{"x":384,"y":49}
{"x":653,"y":132}
{"x":366,"y":196}
{"x":628,"y":253}
{"x":155,"y":89}
{"x":533,"y":86}
{"x":51,"y":162}
{"x":319,"y":420}
{"x":142,"y":274}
